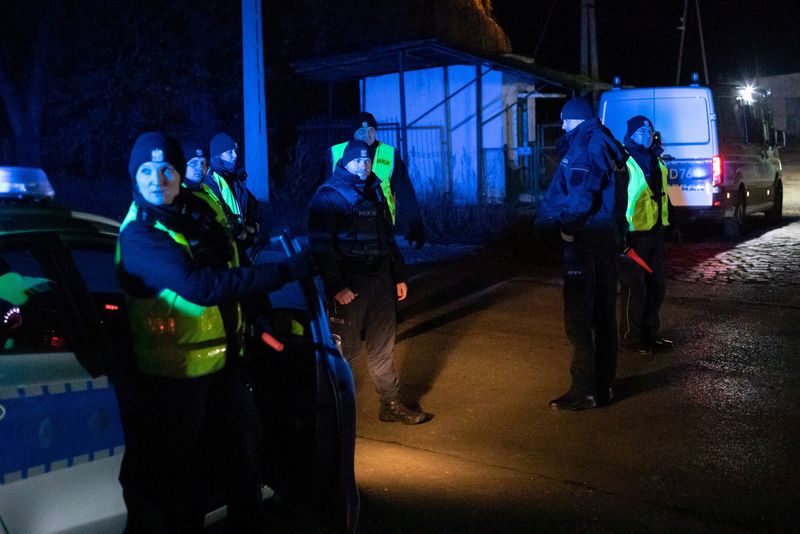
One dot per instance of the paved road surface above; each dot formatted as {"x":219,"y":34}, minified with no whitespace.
{"x":704,"y":438}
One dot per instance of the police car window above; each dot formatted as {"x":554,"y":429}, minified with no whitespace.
{"x":97,"y":269}
{"x":730,"y":125}
{"x":682,"y":120}
{"x":34,"y":310}
{"x":95,"y":263}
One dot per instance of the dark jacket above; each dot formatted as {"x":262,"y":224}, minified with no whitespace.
{"x":350,"y":231}
{"x":150,"y":260}
{"x":409,"y":216}
{"x":587,"y":196}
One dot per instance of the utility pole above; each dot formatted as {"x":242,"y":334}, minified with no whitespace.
{"x":682,"y":29}
{"x":255,"y":103}
{"x":588,"y":40}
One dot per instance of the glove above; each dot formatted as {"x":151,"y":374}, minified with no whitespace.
{"x":416,"y":233}
{"x":299,"y":266}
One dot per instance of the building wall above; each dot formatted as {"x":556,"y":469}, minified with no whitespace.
{"x":436,"y":170}
{"x":784,"y":102}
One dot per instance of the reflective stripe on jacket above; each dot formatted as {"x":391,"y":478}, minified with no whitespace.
{"x":642,"y":212}
{"x":382,"y":166}
{"x":171,"y":335}
{"x":228,"y":197}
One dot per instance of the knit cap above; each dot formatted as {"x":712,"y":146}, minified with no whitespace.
{"x":220,"y":143}
{"x":355,"y":149}
{"x":364,"y":120}
{"x":634,"y":123}
{"x":577,"y":108}
{"x":156,"y":147}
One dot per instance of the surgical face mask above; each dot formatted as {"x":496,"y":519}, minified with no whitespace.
{"x":158,"y":183}
{"x":229,"y":156}
{"x":643,"y":136}
{"x":570,"y":124}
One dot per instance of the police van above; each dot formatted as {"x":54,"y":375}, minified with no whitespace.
{"x":63,"y":323}
{"x":720,"y":147}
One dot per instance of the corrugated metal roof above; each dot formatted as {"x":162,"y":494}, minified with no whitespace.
{"x":430,"y":53}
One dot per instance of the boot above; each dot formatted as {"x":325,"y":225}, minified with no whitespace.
{"x":397,"y":411}
{"x":574,"y":401}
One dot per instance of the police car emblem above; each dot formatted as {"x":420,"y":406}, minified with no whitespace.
{"x":157,"y":155}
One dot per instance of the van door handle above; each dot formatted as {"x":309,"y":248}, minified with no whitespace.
{"x":667,"y":157}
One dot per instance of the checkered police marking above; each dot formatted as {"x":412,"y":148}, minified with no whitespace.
{"x":47,"y":427}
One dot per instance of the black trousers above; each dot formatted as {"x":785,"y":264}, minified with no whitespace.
{"x":590,"y":319}
{"x":642,"y":292}
{"x":371,"y":317}
{"x":180,"y":435}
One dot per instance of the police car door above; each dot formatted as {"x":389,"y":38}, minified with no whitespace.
{"x":60,"y":431}
{"x":306,"y":396}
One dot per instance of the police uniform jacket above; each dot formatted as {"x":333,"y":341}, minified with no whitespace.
{"x":150,"y":260}
{"x":587,"y":196}
{"x":350,"y":231}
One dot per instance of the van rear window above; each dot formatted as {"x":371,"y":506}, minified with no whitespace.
{"x":681,"y":120}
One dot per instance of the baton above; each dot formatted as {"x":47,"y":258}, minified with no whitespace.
{"x":629,"y":252}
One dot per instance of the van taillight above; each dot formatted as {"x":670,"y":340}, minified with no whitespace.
{"x":716,"y":170}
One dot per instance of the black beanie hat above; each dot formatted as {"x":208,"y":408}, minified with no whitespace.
{"x":355,"y":149}
{"x":577,"y":107}
{"x":364,"y":120}
{"x":155,"y":146}
{"x":222,"y":142}
{"x":194,"y":150}
{"x":634,"y":123}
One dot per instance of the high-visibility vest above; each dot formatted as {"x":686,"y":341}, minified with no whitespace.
{"x":228,"y":197}
{"x":382,"y":166}
{"x":642,"y":212}
{"x":171,"y":335}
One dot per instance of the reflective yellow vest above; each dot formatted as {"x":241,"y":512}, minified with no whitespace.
{"x":227,"y":194}
{"x":382,"y":166}
{"x":642,"y":212}
{"x":172,"y":336}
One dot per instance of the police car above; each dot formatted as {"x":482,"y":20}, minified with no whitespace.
{"x":62,"y":324}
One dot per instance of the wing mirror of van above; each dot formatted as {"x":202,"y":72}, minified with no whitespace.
{"x":780,"y":138}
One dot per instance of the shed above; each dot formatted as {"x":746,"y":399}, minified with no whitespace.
{"x":465,"y":122}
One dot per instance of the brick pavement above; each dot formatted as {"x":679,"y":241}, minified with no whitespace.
{"x":772,"y":258}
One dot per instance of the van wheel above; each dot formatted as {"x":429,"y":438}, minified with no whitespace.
{"x":734,"y":223}
{"x":775,"y":213}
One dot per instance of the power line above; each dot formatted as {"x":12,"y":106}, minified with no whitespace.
{"x":544,"y":28}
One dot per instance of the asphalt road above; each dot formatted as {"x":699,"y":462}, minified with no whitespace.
{"x":704,"y":438}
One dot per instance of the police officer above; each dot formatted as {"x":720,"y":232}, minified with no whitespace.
{"x":647,"y":216}
{"x":353,"y":246}
{"x":196,"y":165}
{"x":226,"y":182}
{"x":392,"y":171}
{"x":185,"y":406}
{"x":585,"y":204}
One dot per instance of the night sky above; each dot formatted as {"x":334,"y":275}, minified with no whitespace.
{"x":639,"y":41}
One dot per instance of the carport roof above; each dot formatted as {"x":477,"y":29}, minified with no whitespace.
{"x":413,"y":55}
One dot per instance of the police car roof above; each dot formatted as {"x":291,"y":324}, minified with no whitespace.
{"x":25,"y":183}
{"x":27,"y":205}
